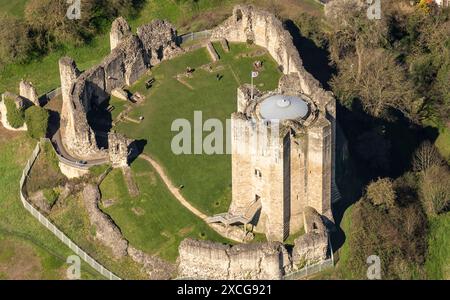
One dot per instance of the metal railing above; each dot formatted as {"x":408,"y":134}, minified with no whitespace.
{"x":310,"y":270}
{"x":192,"y":36}
{"x":48,"y":224}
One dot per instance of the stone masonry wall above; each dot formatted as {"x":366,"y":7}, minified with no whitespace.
{"x":208,"y":260}
{"x":28,"y":91}
{"x":128,"y":61}
{"x":266,"y":261}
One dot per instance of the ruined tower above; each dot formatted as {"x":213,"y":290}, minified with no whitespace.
{"x":28,"y":92}
{"x":119,"y":149}
{"x":119,"y":29}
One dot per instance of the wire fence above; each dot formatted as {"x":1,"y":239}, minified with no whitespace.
{"x":192,"y":36}
{"x":58,"y":233}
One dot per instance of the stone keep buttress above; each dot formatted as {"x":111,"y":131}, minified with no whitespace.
{"x":278,"y":167}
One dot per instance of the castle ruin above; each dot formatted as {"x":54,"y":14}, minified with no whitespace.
{"x":282,"y":141}
{"x":131,"y":56}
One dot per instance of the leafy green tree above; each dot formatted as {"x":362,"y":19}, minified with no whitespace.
{"x":37,"y":121}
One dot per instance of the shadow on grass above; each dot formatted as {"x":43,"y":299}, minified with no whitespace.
{"x":136,"y":148}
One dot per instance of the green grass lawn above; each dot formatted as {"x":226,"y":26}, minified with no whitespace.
{"x":13,"y":7}
{"x":206,"y":178}
{"x":73,"y":220}
{"x":437,"y":264}
{"x":154,"y":221}
{"x":18,"y":229}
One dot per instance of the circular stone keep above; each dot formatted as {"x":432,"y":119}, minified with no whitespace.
{"x":281,"y":107}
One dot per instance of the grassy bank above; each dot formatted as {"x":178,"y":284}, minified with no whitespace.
{"x":19,"y":231}
{"x":154,"y":221}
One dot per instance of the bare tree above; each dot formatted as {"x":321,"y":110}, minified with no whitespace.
{"x":352,"y":32}
{"x":425,"y":157}
{"x":435,"y":190}
{"x":380,"y":83}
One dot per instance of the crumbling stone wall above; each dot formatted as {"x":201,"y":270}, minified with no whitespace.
{"x":130,"y":58}
{"x":119,"y":29}
{"x":119,"y":148}
{"x":105,"y":229}
{"x":208,"y":260}
{"x":159,"y":39}
{"x":263,"y":28}
{"x":28,"y":92}
{"x":313,"y":246}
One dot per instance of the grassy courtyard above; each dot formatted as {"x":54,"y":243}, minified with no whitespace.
{"x":154,"y":221}
{"x":206,"y":178}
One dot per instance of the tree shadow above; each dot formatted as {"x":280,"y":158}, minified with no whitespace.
{"x":315,"y":59}
{"x":367,"y":148}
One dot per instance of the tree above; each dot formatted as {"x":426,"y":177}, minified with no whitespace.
{"x":381,"y":193}
{"x":379,"y":83}
{"x":435,"y":190}
{"x":352,"y":32}
{"x":425,"y":157}
{"x":37,"y":121}
{"x":15,"y":44}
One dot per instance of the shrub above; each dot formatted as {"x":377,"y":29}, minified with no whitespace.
{"x":51,"y":195}
{"x":382,"y":193}
{"x":310,"y":27}
{"x":37,"y":121}
{"x":397,"y":235}
{"x":435,"y":190}
{"x":14,"y":115}
{"x":15,"y":45}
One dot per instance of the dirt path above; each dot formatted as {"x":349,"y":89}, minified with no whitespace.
{"x":174,"y":190}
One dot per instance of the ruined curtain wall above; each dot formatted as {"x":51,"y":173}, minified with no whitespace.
{"x":129,"y":59}
{"x":208,"y":260}
{"x":263,"y":28}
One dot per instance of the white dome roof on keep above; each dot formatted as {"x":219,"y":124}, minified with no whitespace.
{"x":281,"y":107}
